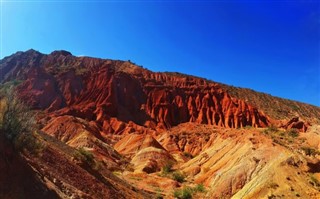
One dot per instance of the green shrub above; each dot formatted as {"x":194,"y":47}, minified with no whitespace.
{"x":199,"y":188}
{"x":293,"y":133}
{"x":17,"y":121}
{"x":16,"y":118}
{"x":178,"y":176}
{"x":167,"y":168}
{"x":185,"y":193}
{"x":158,"y":193}
{"x":84,"y":156}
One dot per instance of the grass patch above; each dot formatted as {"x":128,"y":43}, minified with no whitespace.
{"x":187,"y":192}
{"x":293,"y":133}
{"x":178,"y":176}
{"x":84,"y":156}
{"x":158,"y":193}
{"x":167,"y":168}
{"x":200,"y":188}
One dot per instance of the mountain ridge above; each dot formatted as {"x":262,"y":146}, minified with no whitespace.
{"x":61,"y":61}
{"x":133,"y":133}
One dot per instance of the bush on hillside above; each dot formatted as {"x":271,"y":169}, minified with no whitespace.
{"x":293,"y":133}
{"x":167,"y":168}
{"x":16,"y":119}
{"x":178,"y":176}
{"x":185,"y":193}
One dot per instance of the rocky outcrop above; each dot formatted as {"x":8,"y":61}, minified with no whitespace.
{"x":296,"y":123}
{"x":146,"y":154}
{"x":97,"y":90}
{"x":186,"y":99}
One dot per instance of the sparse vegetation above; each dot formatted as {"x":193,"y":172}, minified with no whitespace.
{"x":273,"y":128}
{"x":293,"y":133}
{"x":270,"y":130}
{"x":178,"y":176}
{"x":17,"y":122}
{"x":158,"y":193}
{"x":275,"y":107}
{"x":16,"y":118}
{"x":200,"y":188}
{"x":286,"y":138}
{"x":84,"y":156}
{"x":187,"y":192}
{"x":167,"y":168}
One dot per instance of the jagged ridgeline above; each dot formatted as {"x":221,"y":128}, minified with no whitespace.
{"x":97,"y":89}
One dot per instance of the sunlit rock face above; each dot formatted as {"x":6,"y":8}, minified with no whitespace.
{"x":97,"y":90}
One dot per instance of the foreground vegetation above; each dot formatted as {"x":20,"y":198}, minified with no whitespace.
{"x":17,"y":121}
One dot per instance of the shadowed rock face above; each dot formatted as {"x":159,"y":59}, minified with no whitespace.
{"x":97,"y":89}
{"x":17,"y":178}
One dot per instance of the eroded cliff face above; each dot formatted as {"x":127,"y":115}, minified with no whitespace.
{"x":135,"y":122}
{"x":97,"y":90}
{"x":187,"y":99}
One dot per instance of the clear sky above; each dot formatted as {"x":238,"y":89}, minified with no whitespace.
{"x":269,"y":47}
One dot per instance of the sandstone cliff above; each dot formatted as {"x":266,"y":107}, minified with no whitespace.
{"x":97,"y":90}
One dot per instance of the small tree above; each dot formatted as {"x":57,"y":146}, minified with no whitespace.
{"x":16,"y":118}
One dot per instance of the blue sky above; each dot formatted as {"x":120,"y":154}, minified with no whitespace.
{"x":269,"y":47}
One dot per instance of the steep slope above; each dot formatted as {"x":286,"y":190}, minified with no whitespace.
{"x":275,"y":107}
{"x":17,"y":178}
{"x":62,"y":172}
{"x":97,"y":89}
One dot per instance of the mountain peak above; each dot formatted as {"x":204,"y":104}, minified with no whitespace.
{"x":32,"y":52}
{"x":60,"y":52}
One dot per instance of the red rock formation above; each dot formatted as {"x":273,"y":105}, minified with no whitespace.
{"x":97,"y":90}
{"x":146,"y":154}
{"x":296,"y":123}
